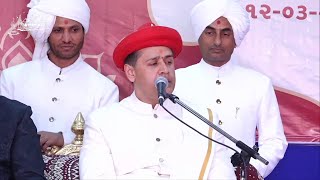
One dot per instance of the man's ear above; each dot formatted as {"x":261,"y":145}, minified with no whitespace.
{"x":130,"y":72}
{"x":234,"y":42}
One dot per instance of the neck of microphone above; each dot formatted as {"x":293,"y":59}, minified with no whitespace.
{"x":161,"y":83}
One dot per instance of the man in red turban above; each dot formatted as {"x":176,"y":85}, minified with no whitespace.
{"x":137,"y":138}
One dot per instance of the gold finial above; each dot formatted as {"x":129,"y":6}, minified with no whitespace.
{"x":78,"y":129}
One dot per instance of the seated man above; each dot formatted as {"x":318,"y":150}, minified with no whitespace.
{"x":137,"y":138}
{"x":20,"y":152}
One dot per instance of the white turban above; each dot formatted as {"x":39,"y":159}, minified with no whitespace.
{"x":207,"y":11}
{"x":42,"y":16}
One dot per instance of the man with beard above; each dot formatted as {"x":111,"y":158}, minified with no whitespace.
{"x":57,"y":83}
{"x":243,"y":98}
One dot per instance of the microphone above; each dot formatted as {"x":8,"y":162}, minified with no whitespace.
{"x":161,"y":83}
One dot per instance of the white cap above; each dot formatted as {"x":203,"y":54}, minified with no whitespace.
{"x":207,"y":11}
{"x":42,"y":16}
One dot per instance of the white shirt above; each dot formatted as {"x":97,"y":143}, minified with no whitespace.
{"x":131,"y":140}
{"x":57,"y":95}
{"x":244,"y":100}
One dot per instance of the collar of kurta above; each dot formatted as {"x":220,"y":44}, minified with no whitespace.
{"x":54,"y":69}
{"x":133,"y":103}
{"x":217,"y":72}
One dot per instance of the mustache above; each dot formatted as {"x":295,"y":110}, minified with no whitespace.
{"x":66,"y":45}
{"x":216,"y":48}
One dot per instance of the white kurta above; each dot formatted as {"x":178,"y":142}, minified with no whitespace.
{"x":244,"y":100}
{"x":131,"y":140}
{"x":57,"y":95}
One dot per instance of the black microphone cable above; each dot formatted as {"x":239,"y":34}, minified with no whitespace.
{"x":242,"y":158}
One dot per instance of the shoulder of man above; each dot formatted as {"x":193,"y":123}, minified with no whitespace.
{"x":93,"y":73}
{"x":187,"y":69}
{"x":12,"y":108}
{"x":105,"y":113}
{"x":13,"y":70}
{"x":252,"y":77}
{"x":186,"y":75}
{"x":252,"y":72}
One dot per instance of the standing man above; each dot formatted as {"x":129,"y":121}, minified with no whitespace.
{"x":20,"y":152}
{"x":57,"y":83}
{"x":137,"y":138}
{"x":243,"y":98}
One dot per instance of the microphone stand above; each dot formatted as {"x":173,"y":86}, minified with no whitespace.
{"x":246,"y":151}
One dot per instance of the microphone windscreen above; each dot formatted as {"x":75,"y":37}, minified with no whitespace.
{"x":161,"y":79}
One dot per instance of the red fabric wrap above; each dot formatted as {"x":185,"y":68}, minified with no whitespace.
{"x":147,"y":36}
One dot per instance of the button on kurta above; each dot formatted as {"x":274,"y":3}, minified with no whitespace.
{"x":218,"y":101}
{"x":218,"y":82}
{"x":58,"y":80}
{"x":220,"y":122}
{"x":161,"y":160}
{"x":155,"y":116}
{"x":54,"y":99}
{"x":51,"y":119}
{"x":158,"y":139}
